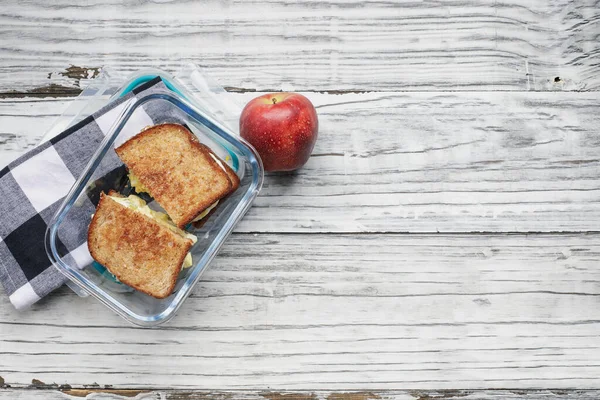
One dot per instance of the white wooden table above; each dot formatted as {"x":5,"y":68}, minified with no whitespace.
{"x":442,"y":242}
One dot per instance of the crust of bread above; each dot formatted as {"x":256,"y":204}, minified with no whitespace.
{"x":231,"y":174}
{"x":177,"y":170}
{"x":140,"y":252}
{"x":235,"y":183}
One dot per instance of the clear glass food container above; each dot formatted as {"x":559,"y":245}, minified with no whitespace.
{"x":105,"y":171}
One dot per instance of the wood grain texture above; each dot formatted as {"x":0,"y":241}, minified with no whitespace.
{"x":417,"y":162}
{"x":23,"y":123}
{"x":483,"y":118}
{"x":308,"y":45}
{"x":108,"y":394}
{"x":340,"y":312}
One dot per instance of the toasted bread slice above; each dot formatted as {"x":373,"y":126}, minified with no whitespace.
{"x":235,"y":183}
{"x":177,"y":170}
{"x":231,"y":174}
{"x":137,"y":249}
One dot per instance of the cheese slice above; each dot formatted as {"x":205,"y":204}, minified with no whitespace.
{"x":137,"y":184}
{"x":218,"y":161}
{"x":139,"y":205}
{"x":205,"y":212}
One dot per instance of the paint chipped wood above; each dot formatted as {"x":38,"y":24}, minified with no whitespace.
{"x":78,"y":73}
{"x":365,"y":313}
{"x":318,"y":395}
{"x":354,"y":396}
{"x":288,"y":396}
{"x":417,"y":162}
{"x":301,"y":45}
{"x":289,"y":306}
{"x":117,"y":393}
{"x":444,"y":394}
{"x":52,"y":90}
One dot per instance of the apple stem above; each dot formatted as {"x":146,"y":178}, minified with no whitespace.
{"x":274,"y":100}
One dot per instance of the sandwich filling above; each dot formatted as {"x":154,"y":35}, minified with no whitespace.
{"x":137,"y":204}
{"x":218,"y":161}
{"x":137,"y":184}
{"x":205,"y":212}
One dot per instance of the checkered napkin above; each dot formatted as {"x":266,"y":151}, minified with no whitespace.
{"x":33,"y":187}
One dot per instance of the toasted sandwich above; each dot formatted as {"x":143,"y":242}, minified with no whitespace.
{"x":200,"y":220}
{"x":184,"y":176}
{"x":235,"y":180}
{"x":140,"y":246}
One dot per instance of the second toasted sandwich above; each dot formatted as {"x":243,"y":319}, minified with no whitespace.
{"x":141,"y":247}
{"x":184,"y":176}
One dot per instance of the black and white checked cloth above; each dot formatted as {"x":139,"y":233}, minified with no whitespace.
{"x":33,"y":187}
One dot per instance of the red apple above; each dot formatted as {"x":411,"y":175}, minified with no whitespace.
{"x":282,"y":127}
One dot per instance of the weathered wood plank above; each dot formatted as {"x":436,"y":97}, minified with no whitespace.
{"x":340,"y":312}
{"x":108,"y":394}
{"x":23,"y":123}
{"x":309,"y":45}
{"x":417,"y":162}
